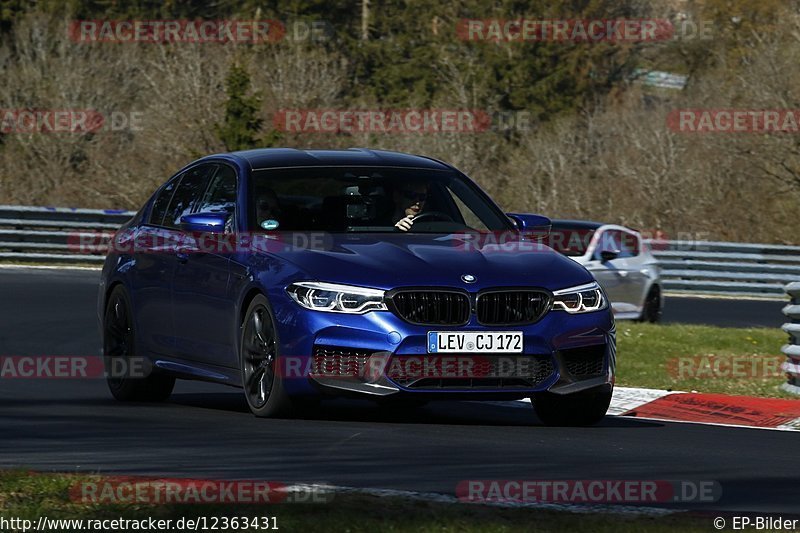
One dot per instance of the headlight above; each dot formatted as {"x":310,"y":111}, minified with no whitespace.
{"x":580,"y":299}
{"x":335,"y":298}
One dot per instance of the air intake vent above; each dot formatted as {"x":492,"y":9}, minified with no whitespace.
{"x":585,"y":362}
{"x":334,"y":361}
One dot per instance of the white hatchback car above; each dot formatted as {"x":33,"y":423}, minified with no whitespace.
{"x":620,"y":261}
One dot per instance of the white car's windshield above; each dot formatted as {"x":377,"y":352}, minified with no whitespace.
{"x":572,"y":241}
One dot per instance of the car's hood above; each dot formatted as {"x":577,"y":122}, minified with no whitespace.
{"x":386,"y":261}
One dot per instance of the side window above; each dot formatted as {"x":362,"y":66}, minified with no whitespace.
{"x":629,"y":244}
{"x":161,"y":202}
{"x":221,"y":193}
{"x":220,"y":197}
{"x":608,"y":241}
{"x":192,"y":185}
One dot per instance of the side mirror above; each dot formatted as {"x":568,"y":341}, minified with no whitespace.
{"x":608,"y":255}
{"x":534,"y":226}
{"x":204,"y":222}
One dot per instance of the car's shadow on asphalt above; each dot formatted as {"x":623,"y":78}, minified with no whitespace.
{"x":439,"y":412}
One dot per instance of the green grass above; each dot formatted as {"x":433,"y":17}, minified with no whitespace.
{"x":28,"y":495}
{"x":649,"y":355}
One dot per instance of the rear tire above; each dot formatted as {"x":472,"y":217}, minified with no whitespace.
{"x":119,"y":356}
{"x":258,"y":356}
{"x":578,"y":409}
{"x":651,"y":311}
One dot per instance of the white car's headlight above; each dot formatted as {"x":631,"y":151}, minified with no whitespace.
{"x":335,"y":298}
{"x":580,"y":299}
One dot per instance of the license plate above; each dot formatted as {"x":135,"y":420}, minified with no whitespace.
{"x":475,"y":341}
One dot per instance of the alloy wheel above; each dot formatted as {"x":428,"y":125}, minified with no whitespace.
{"x":259,"y":356}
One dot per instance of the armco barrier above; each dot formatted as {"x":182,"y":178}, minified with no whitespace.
{"x":735,"y":269}
{"x":48,"y":235}
{"x":44,"y":234}
{"x":792,"y":348}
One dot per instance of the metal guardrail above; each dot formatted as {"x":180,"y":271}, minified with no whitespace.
{"x":792,"y":348}
{"x":725,"y":268}
{"x":54,"y":235}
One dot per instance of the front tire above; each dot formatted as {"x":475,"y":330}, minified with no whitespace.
{"x":119,"y":356}
{"x":258,"y":347}
{"x":578,"y":409}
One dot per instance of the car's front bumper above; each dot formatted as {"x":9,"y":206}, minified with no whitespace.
{"x":371,"y":354}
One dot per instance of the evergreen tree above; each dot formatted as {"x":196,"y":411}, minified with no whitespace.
{"x":241,"y":126}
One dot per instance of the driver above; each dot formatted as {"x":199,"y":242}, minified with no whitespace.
{"x":409,"y":202}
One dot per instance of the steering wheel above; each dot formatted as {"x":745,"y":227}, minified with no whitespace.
{"x":435,"y":215}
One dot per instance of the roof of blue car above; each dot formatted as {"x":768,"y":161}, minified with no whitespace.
{"x":291,"y":157}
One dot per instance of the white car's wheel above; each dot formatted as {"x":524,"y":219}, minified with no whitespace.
{"x":651,"y":311}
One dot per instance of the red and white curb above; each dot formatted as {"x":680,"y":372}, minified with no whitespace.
{"x":627,"y":399}
{"x":717,"y":409}
{"x":700,"y":408}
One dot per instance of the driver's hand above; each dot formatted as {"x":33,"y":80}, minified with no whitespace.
{"x":404,"y":224}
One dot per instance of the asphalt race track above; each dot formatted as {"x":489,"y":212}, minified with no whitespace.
{"x":725,"y":312}
{"x":205,"y":431}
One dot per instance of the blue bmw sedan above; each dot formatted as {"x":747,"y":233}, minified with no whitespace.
{"x":299,"y":275}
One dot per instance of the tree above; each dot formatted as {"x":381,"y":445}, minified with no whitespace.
{"x":242,"y":124}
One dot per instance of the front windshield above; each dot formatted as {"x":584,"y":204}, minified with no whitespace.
{"x":369,"y":200}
